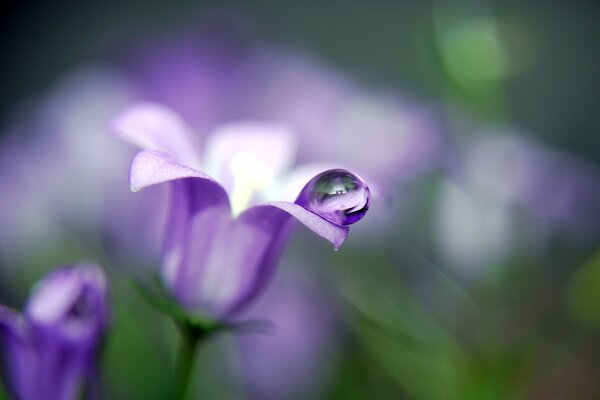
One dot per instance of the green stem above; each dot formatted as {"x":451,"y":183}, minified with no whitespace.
{"x":190,"y":337}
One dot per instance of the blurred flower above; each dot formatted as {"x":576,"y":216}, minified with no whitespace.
{"x":213,"y":262}
{"x":293,"y":361}
{"x":50,"y":351}
{"x":221,"y":73}
{"x":74,"y":191}
{"x":211,"y":77}
{"x":511,"y":191}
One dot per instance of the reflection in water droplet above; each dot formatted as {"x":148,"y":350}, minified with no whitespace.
{"x":337,"y":195}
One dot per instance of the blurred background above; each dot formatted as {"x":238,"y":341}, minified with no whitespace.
{"x":476,"y":274}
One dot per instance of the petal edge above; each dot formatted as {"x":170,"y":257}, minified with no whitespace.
{"x":153,"y":126}
{"x":151,"y":167}
{"x":336,"y":234}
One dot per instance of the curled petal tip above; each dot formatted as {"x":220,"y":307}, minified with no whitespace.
{"x":334,"y":233}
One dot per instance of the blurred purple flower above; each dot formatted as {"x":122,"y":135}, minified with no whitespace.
{"x":221,"y":73}
{"x":555,"y":188}
{"x":511,"y":191}
{"x":50,"y":351}
{"x":213,"y":262}
{"x":293,"y":361}
{"x":212,"y":77}
{"x":65,"y":135}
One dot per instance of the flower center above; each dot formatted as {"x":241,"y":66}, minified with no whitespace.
{"x":249,"y":176}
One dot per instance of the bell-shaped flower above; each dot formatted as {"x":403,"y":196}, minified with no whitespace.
{"x":50,"y":350}
{"x":214,"y":73}
{"x":223,"y":237}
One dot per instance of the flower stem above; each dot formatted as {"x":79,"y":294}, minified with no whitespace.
{"x":190,"y":337}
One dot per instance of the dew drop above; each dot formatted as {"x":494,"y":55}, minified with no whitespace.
{"x":337,"y":195}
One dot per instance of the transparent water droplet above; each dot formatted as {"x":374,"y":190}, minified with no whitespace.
{"x":337,"y":195}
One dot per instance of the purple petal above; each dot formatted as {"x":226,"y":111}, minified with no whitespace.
{"x":228,"y":261}
{"x":52,"y":297}
{"x":270,"y":229}
{"x":191,"y":198}
{"x":51,"y":351}
{"x":10,"y":321}
{"x":155,"y":127}
{"x":70,"y":303}
{"x":220,"y":264}
{"x":259,"y":235}
{"x":18,"y":354}
{"x":336,"y":234}
{"x":192,"y":192}
{"x":152,"y":167}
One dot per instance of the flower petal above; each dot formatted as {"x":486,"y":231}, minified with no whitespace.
{"x":221,"y":264}
{"x":51,"y":351}
{"x":336,"y":234}
{"x":229,"y":261}
{"x":52,"y":298}
{"x":249,"y":153}
{"x":155,"y":127}
{"x":10,"y":321}
{"x":191,"y":193}
{"x":18,"y":354}
{"x":71,"y":303}
{"x":191,"y":198}
{"x":150,"y":167}
{"x":261,"y":233}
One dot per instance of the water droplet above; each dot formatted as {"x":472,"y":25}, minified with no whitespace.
{"x":337,"y":195}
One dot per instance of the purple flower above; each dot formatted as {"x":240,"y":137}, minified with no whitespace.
{"x":555,"y":188}
{"x":212,"y":78}
{"x":223,"y":239}
{"x":219,"y":75}
{"x":511,"y":194}
{"x":51,"y":349}
{"x":65,"y":133}
{"x":294,"y":360}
